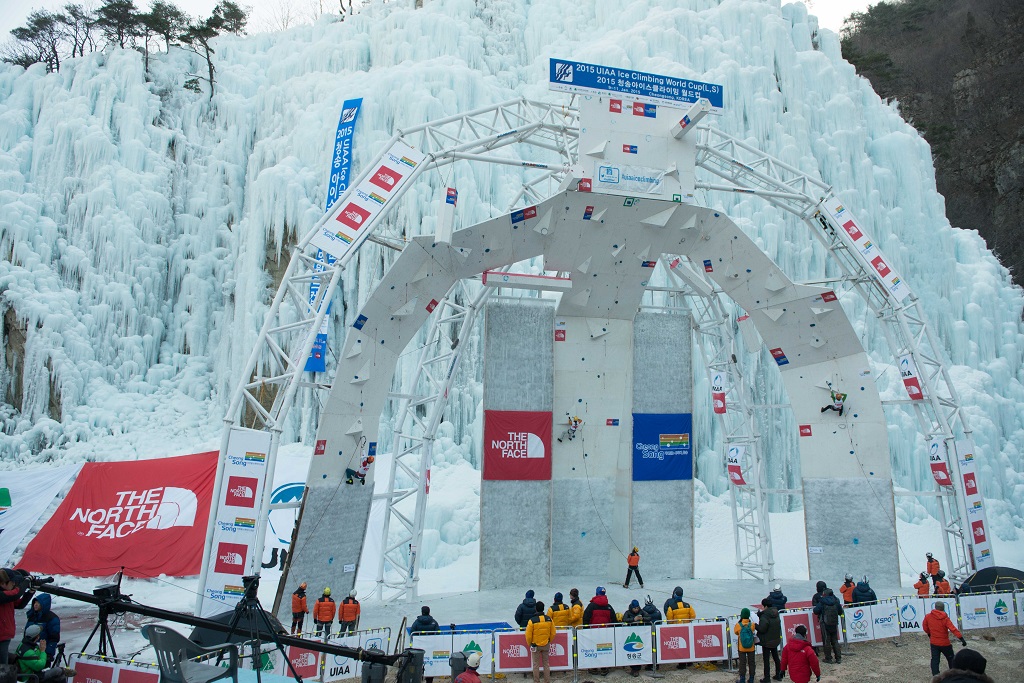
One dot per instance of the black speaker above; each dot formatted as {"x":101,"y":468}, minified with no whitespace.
{"x":411,"y":671}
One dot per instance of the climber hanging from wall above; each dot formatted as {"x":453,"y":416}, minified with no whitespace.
{"x":364,"y":466}
{"x":574,"y":424}
{"x":838,"y":400}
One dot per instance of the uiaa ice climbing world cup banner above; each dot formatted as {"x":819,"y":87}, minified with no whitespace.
{"x":24,"y":497}
{"x":350,"y":220}
{"x":865,"y":249}
{"x":661,"y":446}
{"x":236,"y":513}
{"x":517,"y":445}
{"x":977,"y":520}
{"x":149,"y":516}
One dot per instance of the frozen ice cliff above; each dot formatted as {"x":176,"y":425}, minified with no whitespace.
{"x":142,"y":225}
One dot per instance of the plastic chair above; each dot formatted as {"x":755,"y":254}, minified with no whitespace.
{"x":174,"y":652}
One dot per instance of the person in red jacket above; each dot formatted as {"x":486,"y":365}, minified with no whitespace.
{"x":799,"y":659}
{"x":14,"y":595}
{"x":348,"y":614}
{"x":323,"y":613}
{"x":299,"y":609}
{"x":938,"y":626}
{"x":600,"y":612}
{"x":633,"y":567}
{"x":932,"y":567}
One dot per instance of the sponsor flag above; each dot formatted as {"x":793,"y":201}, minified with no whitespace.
{"x":517,"y":445}
{"x":734,"y":460}
{"x":24,"y":497}
{"x":718,"y":393}
{"x":911,"y":381}
{"x":937,"y":462}
{"x":148,"y":516}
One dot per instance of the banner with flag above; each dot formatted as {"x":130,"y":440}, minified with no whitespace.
{"x":980,"y":543}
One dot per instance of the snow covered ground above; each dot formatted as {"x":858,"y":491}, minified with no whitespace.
{"x":138,"y":221}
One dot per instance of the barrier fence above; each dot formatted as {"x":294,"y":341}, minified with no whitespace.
{"x":112,"y":670}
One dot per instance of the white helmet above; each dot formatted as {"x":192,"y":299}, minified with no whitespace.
{"x":777,"y":587}
{"x":473,"y":661}
{"x":928,"y":555}
{"x":866,"y":579}
{"x":849,"y":577}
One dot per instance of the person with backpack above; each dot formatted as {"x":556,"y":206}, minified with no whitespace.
{"x":769,"y":635}
{"x":526,"y":609}
{"x":799,"y":659}
{"x":938,"y":626}
{"x":677,"y":609}
{"x":540,"y":631}
{"x":348,"y":614}
{"x":922,"y":586}
{"x":863,"y":592}
{"x":31,"y":657}
{"x":39,"y":613}
{"x":747,"y":646}
{"x":829,"y":610}
{"x":633,"y":567}
{"x":576,"y":607}
{"x":847,"y":589}
{"x":323,"y":613}
{"x":299,"y":609}
{"x":559,"y":612}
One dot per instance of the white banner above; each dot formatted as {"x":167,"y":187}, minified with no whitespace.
{"x":1000,"y":609}
{"x":633,"y":645}
{"x":437,"y":648}
{"x":236,"y":508}
{"x":24,"y":497}
{"x":859,"y":627}
{"x":595,"y":647}
{"x":974,"y":612}
{"x":638,"y":179}
{"x":475,"y":641}
{"x":289,"y":487}
{"x":337,"y":667}
{"x":911,"y":612}
{"x":352,"y":217}
{"x":885,"y":621}
{"x":866,"y":250}
{"x":977,"y":521}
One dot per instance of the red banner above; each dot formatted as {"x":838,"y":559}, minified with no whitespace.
{"x":517,"y":445}
{"x":937,"y":461}
{"x":718,"y":393}
{"x":733,"y":465}
{"x":148,"y":516}
{"x":512,"y":652}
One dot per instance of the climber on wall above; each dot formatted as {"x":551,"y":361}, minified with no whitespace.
{"x":360,"y":474}
{"x":574,"y":424}
{"x":838,"y":399}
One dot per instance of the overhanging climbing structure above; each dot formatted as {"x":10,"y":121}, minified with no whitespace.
{"x":595,"y":219}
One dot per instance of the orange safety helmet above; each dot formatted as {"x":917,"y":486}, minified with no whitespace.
{"x":370,"y":458}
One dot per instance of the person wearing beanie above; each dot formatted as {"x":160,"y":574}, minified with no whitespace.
{"x":576,"y":607}
{"x":777,"y":597}
{"x":677,"y":609}
{"x":560,"y":613}
{"x":348,"y":614}
{"x":299,"y":609}
{"x":799,"y":659}
{"x":31,"y":656}
{"x":829,"y":611}
{"x":599,"y":611}
{"x":747,"y":647}
{"x":769,"y":635}
{"x":968,"y":667}
{"x":540,"y":631}
{"x":527,"y":608}
{"x":637,"y":617}
{"x":938,"y":626}
{"x":470,"y":675}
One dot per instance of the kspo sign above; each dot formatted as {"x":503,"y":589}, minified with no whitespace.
{"x":517,"y":445}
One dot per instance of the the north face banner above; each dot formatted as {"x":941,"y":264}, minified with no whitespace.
{"x":148,"y":516}
{"x":517,"y":445}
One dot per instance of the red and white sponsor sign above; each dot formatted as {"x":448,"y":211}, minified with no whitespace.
{"x":674,"y":643}
{"x":881,"y":266}
{"x":981,"y":548}
{"x":937,"y":462}
{"x":970,"y":484}
{"x":828,"y":297}
{"x":512,"y":653}
{"x":805,"y":430}
{"x":734,"y":459}
{"x":978,"y":531}
{"x":709,"y":641}
{"x":241,"y":491}
{"x":353,"y":216}
{"x":852,"y":230}
{"x":306,"y":662}
{"x":432,"y":305}
{"x":517,"y":445}
{"x":133,"y":674}
{"x":89,"y":670}
{"x":148,"y":516}
{"x":718,"y":393}
{"x":559,"y":335}
{"x":385,"y":178}
{"x":911,"y":381}
{"x":585,"y":185}
{"x":790,"y":620}
{"x":229,"y":558}
{"x":615,"y":106}
{"x":321,"y":447}
{"x":866,"y":251}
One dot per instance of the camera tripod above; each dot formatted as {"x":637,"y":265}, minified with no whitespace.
{"x":249,"y":607}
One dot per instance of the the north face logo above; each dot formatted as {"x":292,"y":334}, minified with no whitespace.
{"x":163,"y":507}
{"x":241,"y":492}
{"x":230,"y":558}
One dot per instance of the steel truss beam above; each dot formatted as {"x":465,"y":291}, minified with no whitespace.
{"x":748,"y":170}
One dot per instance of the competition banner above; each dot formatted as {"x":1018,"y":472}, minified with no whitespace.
{"x":95,"y":670}
{"x":733,"y":463}
{"x":306,"y":662}
{"x":317,"y":361}
{"x":513,"y":654}
{"x":517,"y":445}
{"x":632,"y":645}
{"x":593,"y":79}
{"x":859,"y":625}
{"x":475,"y":641}
{"x":1000,"y":609}
{"x":351,"y":218}
{"x":937,"y":460}
{"x":661,"y":447}
{"x":792,"y":619}
{"x":866,"y":250}
{"x":708,"y":641}
{"x":437,"y":649}
{"x":674,"y":643}
{"x":911,"y":612}
{"x":911,"y":380}
{"x":595,"y":648}
{"x":337,"y":667}
{"x":981,"y":545}
{"x":974,"y":612}
{"x":885,"y":621}
{"x":718,"y":387}
{"x":24,"y":497}
{"x":234,"y":528}
{"x":148,"y":516}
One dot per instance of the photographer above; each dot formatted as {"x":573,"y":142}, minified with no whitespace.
{"x":14,"y":594}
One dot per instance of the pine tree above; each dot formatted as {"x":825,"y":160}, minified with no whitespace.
{"x":42,"y":35}
{"x":119,"y":20}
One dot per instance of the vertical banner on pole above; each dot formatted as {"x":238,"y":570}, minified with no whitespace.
{"x":981,"y":544}
{"x":718,"y":393}
{"x":911,"y":382}
{"x":734,"y":460}
{"x":234,"y":530}
{"x":937,"y":461}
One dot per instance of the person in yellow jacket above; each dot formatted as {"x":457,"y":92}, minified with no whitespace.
{"x":540,"y":631}
{"x":746,"y":645}
{"x":576,"y":608}
{"x":560,"y":613}
{"x":677,"y":609}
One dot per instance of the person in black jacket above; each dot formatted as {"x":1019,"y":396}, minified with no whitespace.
{"x":829,"y":612}
{"x":527,"y":608}
{"x":769,"y":632}
{"x":425,"y":624}
{"x":777,"y":598}
{"x":863,"y":592}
